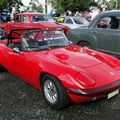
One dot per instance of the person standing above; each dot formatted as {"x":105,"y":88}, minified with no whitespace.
{"x":14,"y":11}
{"x":95,"y":12}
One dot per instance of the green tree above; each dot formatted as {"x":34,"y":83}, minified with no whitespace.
{"x":114,"y":4}
{"x":8,"y":4}
{"x":73,"y":5}
{"x":36,"y":6}
{"x":109,"y":5}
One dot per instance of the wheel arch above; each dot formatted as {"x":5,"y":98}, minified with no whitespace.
{"x":92,"y":42}
{"x":83,"y":41}
{"x":87,"y":37}
{"x":42,"y":74}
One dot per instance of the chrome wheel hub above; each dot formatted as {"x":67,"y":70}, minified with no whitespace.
{"x":50,"y":91}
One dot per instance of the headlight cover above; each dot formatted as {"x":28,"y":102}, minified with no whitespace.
{"x":85,"y":80}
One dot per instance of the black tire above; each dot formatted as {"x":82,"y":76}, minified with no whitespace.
{"x":84,"y":44}
{"x":62,"y":99}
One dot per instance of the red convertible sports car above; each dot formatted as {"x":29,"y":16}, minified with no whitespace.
{"x":64,"y":72}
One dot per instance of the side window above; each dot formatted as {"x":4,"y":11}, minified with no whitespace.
{"x":69,"y":21}
{"x":25,"y":19}
{"x":17,"y":18}
{"x":115,"y":21}
{"x":104,"y":23}
{"x":111,"y":22}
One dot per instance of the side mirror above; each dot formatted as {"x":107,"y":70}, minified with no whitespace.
{"x":16,"y":50}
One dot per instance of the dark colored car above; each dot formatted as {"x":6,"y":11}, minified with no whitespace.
{"x":103,"y":33}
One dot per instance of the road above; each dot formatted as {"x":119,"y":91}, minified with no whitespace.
{"x":20,"y":101}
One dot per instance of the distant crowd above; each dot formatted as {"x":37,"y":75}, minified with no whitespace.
{"x":89,"y":15}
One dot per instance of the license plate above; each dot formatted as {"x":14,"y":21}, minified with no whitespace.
{"x":113,"y":93}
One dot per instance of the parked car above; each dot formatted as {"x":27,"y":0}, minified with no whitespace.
{"x":103,"y":33}
{"x":72,"y":21}
{"x":32,"y":20}
{"x":64,"y":72}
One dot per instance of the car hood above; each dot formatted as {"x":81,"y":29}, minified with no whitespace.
{"x":50,"y":25}
{"x":79,"y":57}
{"x":72,"y":55}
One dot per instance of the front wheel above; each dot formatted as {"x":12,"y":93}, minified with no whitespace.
{"x":2,"y":69}
{"x":54,"y":93}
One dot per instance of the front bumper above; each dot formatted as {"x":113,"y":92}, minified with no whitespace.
{"x":95,"y":91}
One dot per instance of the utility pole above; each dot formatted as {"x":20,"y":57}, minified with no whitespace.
{"x":46,"y":6}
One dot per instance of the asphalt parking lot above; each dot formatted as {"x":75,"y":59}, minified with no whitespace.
{"x":20,"y":101}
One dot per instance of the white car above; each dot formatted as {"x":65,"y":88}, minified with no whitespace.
{"x":73,"y":21}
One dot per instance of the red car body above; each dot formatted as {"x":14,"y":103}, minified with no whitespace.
{"x":25,"y":20}
{"x":85,"y":74}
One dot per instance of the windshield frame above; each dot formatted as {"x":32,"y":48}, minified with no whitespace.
{"x":48,"y":46}
{"x":38,"y":15}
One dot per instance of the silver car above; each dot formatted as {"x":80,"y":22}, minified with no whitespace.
{"x":72,"y":21}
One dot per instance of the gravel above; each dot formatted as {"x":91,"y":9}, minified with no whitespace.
{"x":20,"y":101}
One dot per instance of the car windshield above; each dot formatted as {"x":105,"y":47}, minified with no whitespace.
{"x":43,"y":18}
{"x":80,"y":20}
{"x":38,"y":40}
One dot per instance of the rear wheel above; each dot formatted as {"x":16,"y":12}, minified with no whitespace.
{"x":84,"y":44}
{"x":54,"y":93}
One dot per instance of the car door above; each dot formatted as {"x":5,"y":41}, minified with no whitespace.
{"x":107,"y":35}
{"x":118,"y":46}
{"x":12,"y":61}
{"x":20,"y":64}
